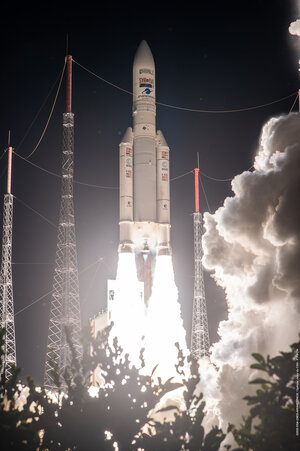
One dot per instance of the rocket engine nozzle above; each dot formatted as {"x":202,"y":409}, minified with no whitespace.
{"x":164,"y":249}
{"x":126,"y":247}
{"x":146,"y":249}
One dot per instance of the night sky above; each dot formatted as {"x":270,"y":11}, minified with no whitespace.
{"x":222,"y":56}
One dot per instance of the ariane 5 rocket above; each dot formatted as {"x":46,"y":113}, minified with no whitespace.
{"x":144,"y":176}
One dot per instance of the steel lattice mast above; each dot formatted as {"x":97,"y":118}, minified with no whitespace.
{"x":200,"y":335}
{"x":65,"y":306}
{"x":7,"y":319}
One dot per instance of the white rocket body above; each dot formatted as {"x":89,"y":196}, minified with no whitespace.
{"x":144,"y":169}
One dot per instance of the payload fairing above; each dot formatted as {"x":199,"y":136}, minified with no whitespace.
{"x":144,"y":175}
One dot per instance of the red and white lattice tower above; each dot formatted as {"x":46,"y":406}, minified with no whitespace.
{"x":65,"y":306}
{"x":7,"y":319}
{"x":200,"y":335}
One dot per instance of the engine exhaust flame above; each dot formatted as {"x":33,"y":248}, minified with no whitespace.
{"x":156,"y":328}
{"x":128,"y":312}
{"x":164,"y":326}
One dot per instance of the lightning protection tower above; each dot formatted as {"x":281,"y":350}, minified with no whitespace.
{"x":65,"y":306}
{"x":200,"y":335}
{"x":7,"y":319}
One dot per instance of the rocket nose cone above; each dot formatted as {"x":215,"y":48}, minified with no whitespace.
{"x":143,"y":56}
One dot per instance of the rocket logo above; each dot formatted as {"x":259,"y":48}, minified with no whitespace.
{"x":146,"y":82}
{"x":147,"y":91}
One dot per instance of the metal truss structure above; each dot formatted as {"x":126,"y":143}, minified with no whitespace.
{"x":65,"y":306}
{"x":200,"y":335}
{"x":7,"y":320}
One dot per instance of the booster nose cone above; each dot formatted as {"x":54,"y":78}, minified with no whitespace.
{"x":143,"y":56}
{"x":161,"y":139}
{"x":128,"y":137}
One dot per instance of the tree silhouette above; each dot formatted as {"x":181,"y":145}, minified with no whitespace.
{"x":119,"y":411}
{"x":271,"y":424}
{"x":19,"y":412}
{"x":185,"y":432}
{"x":124,"y":412}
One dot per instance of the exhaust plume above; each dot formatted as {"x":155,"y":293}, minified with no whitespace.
{"x":164,"y":325}
{"x":128,"y":313}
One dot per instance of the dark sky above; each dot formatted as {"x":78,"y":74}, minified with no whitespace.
{"x":223,"y":55}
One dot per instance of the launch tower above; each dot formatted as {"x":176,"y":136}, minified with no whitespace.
{"x":65,"y":306}
{"x":7,"y":320}
{"x":200,"y":335}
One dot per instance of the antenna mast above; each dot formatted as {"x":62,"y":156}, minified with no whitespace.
{"x":200,"y":335}
{"x":7,"y":319}
{"x":65,"y":306}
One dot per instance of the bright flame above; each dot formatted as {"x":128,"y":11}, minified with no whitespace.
{"x":164,"y":326}
{"x":160,"y":325}
{"x":128,"y":312}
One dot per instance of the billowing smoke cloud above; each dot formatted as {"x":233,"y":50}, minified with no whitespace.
{"x":294,"y":28}
{"x":252,"y":243}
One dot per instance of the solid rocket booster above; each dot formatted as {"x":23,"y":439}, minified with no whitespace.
{"x":144,"y":169}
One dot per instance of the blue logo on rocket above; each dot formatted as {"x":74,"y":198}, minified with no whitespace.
{"x":147,"y":91}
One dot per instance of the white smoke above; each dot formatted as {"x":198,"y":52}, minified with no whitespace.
{"x":252,"y":243}
{"x":294,"y":28}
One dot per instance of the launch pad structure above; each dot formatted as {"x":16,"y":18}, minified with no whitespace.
{"x":7,"y":319}
{"x":65,"y":305}
{"x":200,"y":335}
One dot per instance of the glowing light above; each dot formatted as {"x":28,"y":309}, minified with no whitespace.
{"x":164,"y":326}
{"x":294,"y":27}
{"x":161,"y":324}
{"x":128,"y":311}
{"x":93,"y":391}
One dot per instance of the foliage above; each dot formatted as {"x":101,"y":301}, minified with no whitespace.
{"x":117,"y":413}
{"x":185,"y":432}
{"x":120,"y":412}
{"x":19,"y":417}
{"x":271,"y":424}
{"x":124,"y":409}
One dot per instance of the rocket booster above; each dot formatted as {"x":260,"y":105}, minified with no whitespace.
{"x":144,"y":169}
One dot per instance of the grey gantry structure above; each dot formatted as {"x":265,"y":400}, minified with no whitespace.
{"x":200,"y":335}
{"x":7,"y":319}
{"x":65,"y":305}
